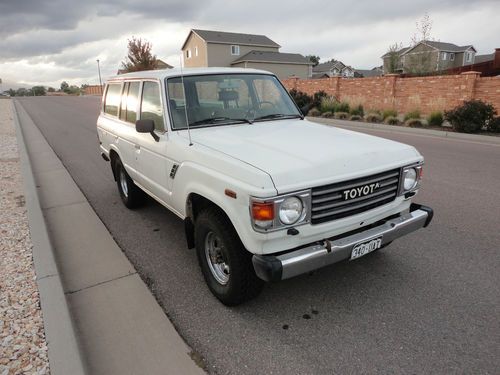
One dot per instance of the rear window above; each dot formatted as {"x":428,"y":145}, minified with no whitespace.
{"x":112,"y":100}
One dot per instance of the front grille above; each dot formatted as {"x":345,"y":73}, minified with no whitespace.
{"x":329,"y":202}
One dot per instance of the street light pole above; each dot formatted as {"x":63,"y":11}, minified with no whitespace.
{"x":99,"y":71}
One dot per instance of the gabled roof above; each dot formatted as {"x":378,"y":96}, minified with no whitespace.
{"x":441,"y":46}
{"x":368,"y":73}
{"x":329,"y":65}
{"x":273,"y":57}
{"x":223,"y":37}
{"x":400,"y":52}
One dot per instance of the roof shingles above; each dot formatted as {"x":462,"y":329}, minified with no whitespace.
{"x":235,"y":38}
{"x":273,"y":57}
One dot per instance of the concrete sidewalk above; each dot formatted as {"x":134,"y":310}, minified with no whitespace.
{"x":120,"y":327}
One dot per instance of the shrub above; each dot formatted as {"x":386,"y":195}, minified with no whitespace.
{"x":494,"y":125}
{"x":435,"y":119}
{"x":415,"y":114}
{"x":315,"y":112}
{"x":328,"y":104}
{"x":341,"y":115}
{"x":373,"y":117}
{"x":342,"y":107}
{"x":327,"y":114}
{"x":357,"y":111}
{"x":389,"y":113}
{"x":392,"y":120}
{"x":471,"y":116}
{"x":317,"y":97}
{"x":414,"y":123}
{"x":356,"y":118}
{"x":301,"y":98}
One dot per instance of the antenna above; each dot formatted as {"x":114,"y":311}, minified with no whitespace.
{"x":185,"y":104}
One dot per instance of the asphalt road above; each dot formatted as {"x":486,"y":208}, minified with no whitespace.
{"x":429,"y":303}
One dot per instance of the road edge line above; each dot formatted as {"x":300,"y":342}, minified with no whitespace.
{"x":63,"y":350}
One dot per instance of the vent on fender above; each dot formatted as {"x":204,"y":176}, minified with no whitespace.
{"x":173,"y":171}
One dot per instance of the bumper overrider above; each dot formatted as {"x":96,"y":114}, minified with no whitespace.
{"x":333,"y":250}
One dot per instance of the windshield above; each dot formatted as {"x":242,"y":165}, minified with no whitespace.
{"x":223,"y":99}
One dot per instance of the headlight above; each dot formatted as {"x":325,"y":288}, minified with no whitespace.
{"x":410,"y":179}
{"x":290,"y":210}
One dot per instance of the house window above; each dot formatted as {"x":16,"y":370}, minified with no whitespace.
{"x":468,"y":56}
{"x":188,"y":54}
{"x":235,"y":50}
{"x":196,"y":51}
{"x":444,"y":55}
{"x":452,"y":56}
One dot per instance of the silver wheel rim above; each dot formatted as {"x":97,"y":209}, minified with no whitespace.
{"x":123,"y":183}
{"x":214,"y":252}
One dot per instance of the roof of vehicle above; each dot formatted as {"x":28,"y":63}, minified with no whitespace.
{"x":165,"y":73}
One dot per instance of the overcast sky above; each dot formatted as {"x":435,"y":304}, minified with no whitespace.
{"x":48,"y":41}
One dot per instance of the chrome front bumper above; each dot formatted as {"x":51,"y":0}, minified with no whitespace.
{"x":329,"y":251}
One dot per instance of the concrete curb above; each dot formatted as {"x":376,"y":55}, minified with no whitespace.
{"x":63,"y":350}
{"x":399,"y":129}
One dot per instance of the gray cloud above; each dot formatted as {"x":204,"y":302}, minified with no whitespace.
{"x":67,"y":36}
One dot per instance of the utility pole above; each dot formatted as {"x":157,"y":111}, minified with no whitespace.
{"x":99,"y":71}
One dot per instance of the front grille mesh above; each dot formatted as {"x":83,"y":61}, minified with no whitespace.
{"x":328,"y":202}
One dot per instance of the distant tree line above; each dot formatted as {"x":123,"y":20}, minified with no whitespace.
{"x":42,"y":90}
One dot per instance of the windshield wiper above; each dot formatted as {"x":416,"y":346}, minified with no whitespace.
{"x":213,"y":120}
{"x":276,"y":115}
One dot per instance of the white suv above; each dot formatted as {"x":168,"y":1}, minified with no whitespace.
{"x":265,"y":195}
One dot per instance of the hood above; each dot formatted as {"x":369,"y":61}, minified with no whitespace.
{"x":300,"y":154}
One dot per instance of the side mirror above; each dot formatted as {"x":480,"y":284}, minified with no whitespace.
{"x":146,"y":126}
{"x":305,"y":109}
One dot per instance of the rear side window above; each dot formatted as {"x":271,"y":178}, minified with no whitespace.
{"x":112,"y":101}
{"x":151,"y":104}
{"x":130,"y":97}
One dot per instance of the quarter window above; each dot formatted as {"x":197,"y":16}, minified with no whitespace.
{"x":128,"y":110}
{"x":112,"y":100}
{"x":235,"y":50}
{"x":151,"y":107}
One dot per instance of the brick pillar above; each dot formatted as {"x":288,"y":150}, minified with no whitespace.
{"x":468,"y":84}
{"x":392,"y":78}
{"x":496,"y":59}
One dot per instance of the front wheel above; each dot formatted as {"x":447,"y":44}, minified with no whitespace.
{"x":131,"y":195}
{"x":226,"y":265}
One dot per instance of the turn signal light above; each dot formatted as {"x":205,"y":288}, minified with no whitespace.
{"x":262,"y":211}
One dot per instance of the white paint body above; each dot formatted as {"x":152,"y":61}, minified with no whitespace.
{"x":260,"y":160}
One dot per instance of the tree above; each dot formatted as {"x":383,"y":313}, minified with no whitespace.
{"x":64,"y":86}
{"x":314,"y":59}
{"x":393,"y":57}
{"x":139,"y":56}
{"x":423,"y":32}
{"x":38,"y":90}
{"x":51,"y":89}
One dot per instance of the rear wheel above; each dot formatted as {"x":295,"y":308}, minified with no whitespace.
{"x":226,"y":265}
{"x":131,"y":195}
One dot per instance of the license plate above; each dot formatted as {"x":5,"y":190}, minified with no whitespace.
{"x":366,"y":247}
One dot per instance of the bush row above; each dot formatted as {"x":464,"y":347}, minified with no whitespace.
{"x":471,"y":117}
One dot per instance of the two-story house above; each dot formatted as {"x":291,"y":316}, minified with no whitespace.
{"x":333,"y":68}
{"x":205,"y":48}
{"x":428,"y":56}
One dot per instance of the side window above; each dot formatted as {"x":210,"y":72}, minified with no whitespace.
{"x":112,"y":101}
{"x":123,"y":107}
{"x":151,"y":104}
{"x":128,"y":110}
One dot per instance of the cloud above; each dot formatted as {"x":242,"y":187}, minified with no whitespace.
{"x":51,"y":40}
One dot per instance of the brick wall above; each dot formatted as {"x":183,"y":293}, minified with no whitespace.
{"x":93,"y":90}
{"x":405,"y":94}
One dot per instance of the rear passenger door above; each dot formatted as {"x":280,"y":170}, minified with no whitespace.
{"x":152,"y":163}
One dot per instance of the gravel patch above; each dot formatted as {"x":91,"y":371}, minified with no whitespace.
{"x":23,"y":349}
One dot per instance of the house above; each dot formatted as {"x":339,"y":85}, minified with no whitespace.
{"x":205,"y":48}
{"x":333,"y":68}
{"x":428,"y":56}
{"x":488,"y":65}
{"x":368,"y":73}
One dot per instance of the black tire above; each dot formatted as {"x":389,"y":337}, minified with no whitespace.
{"x":133,"y":197}
{"x":242,"y":284}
